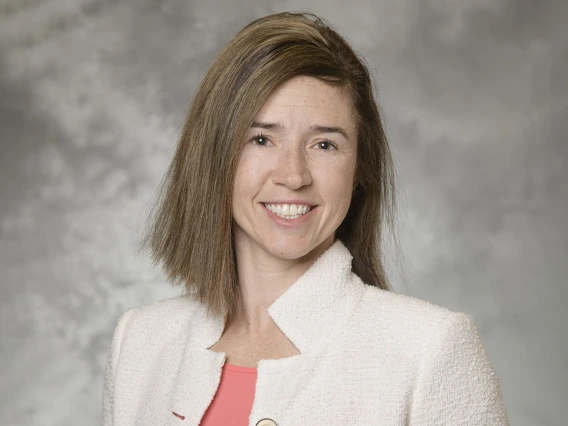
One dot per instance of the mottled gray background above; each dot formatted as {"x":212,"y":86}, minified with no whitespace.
{"x":92,"y":98}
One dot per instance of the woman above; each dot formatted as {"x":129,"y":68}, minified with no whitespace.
{"x":270,"y":217}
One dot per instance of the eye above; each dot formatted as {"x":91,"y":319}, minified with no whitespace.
{"x":326,"y":146}
{"x":260,"y":140}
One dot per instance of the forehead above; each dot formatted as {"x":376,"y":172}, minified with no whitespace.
{"x":307,"y":100}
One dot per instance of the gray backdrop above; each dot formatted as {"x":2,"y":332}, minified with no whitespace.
{"x":92,"y":99}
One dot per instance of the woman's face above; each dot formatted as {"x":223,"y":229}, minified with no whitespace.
{"x":296,"y":170}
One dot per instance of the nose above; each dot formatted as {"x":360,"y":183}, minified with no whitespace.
{"x":292,"y":169}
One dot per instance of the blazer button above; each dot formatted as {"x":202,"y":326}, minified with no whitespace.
{"x":266,"y":422}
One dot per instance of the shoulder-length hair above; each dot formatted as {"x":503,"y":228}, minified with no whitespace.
{"x":190,"y":230}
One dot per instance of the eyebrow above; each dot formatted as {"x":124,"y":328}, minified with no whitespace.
{"x":315,"y":128}
{"x":259,"y":125}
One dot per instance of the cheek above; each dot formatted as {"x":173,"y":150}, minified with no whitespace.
{"x":248,"y":175}
{"x":336,"y":185}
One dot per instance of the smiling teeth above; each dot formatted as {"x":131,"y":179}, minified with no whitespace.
{"x":288,"y":211}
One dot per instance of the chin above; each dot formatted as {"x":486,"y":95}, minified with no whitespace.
{"x":291,"y":250}
{"x":285,"y":251}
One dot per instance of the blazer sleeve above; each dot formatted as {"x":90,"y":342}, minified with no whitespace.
{"x":456,"y":384}
{"x":110,"y":371}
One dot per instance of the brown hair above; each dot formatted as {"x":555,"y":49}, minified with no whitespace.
{"x":190,"y":232}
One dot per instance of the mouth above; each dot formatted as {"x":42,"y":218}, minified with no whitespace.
{"x":289,"y":211}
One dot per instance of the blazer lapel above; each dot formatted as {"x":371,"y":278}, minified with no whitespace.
{"x":199,"y":371}
{"x":196,"y":384}
{"x":318,"y":306}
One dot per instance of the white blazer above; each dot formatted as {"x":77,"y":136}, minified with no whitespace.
{"x":367,"y":357}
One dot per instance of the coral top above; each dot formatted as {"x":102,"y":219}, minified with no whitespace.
{"x":232,"y":403}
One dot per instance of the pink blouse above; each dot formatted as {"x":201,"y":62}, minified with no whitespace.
{"x":232,"y":403}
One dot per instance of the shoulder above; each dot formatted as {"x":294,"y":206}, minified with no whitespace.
{"x":159,"y":320}
{"x":171,"y":308}
{"x":405,"y":311}
{"x":445,"y":353}
{"x":407,"y":323}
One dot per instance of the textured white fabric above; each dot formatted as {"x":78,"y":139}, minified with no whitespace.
{"x":367,"y":357}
